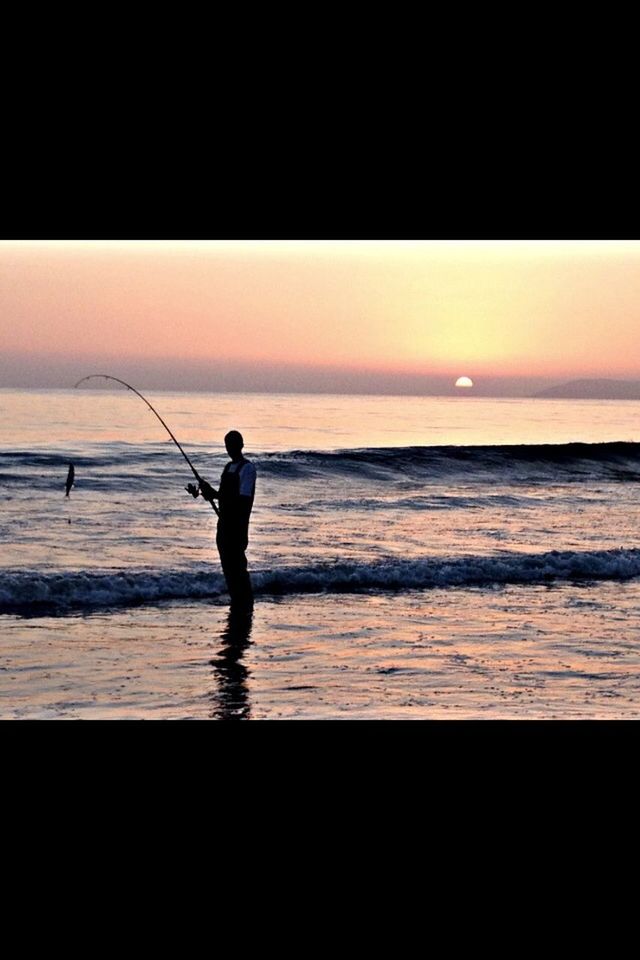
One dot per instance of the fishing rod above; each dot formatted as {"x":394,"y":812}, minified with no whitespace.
{"x":105,"y":376}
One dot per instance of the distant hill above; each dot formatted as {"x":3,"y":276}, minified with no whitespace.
{"x":594,"y":390}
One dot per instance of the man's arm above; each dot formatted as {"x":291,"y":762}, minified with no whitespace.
{"x":244,"y":508}
{"x":208,"y":492}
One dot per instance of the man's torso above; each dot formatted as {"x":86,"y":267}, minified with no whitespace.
{"x":238,"y":480}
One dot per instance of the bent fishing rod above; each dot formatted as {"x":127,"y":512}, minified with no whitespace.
{"x":105,"y":376}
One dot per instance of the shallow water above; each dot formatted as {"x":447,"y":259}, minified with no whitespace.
{"x":554,"y":652}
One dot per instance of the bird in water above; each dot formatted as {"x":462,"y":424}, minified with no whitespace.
{"x":70,"y":478}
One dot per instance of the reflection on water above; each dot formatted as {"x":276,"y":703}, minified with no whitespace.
{"x":70,"y":419}
{"x":231,"y":695}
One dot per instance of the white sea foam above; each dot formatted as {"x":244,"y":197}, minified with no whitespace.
{"x":41,"y":592}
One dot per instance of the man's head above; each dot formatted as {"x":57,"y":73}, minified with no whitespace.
{"x":234,"y":444}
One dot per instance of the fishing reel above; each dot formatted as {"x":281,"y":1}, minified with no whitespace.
{"x":193,"y":490}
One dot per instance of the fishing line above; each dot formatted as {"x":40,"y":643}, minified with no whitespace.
{"x":105,"y":376}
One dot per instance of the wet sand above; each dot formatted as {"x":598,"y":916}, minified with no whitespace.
{"x":565,"y":651}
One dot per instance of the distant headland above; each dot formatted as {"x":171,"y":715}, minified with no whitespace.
{"x":593,"y":390}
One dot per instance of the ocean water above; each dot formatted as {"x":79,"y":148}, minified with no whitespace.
{"x":411,"y":558}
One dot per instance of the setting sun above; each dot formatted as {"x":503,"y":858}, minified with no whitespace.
{"x":394,"y":316}
{"x":464,"y":382}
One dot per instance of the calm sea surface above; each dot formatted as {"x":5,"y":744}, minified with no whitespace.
{"x":411,"y":557}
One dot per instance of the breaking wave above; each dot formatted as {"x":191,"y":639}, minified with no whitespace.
{"x":34,"y":593}
{"x":120,"y":465}
{"x":618,"y":461}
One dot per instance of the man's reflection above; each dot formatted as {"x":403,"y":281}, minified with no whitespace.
{"x":231,"y":699}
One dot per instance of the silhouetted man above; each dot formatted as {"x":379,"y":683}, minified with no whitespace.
{"x":235,"y":496}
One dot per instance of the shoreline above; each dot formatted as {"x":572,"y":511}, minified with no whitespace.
{"x":511,"y":653}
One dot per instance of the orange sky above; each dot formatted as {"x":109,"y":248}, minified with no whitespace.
{"x":556,"y":309}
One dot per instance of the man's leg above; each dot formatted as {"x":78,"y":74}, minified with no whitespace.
{"x":234,"y":567}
